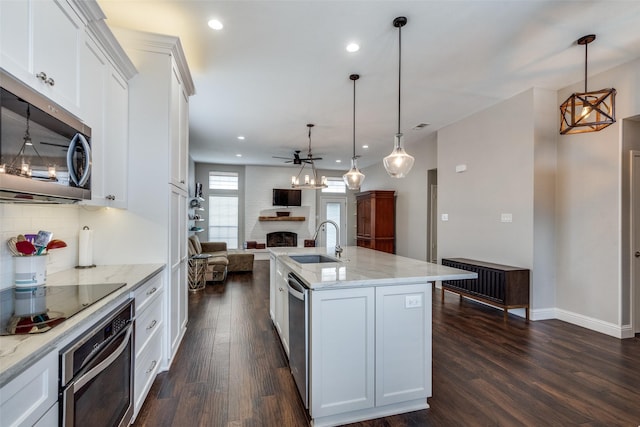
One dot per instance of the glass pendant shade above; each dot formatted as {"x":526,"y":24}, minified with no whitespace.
{"x":398,"y":163}
{"x":354,"y":178}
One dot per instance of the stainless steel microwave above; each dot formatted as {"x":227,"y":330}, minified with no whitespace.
{"x":45,"y":152}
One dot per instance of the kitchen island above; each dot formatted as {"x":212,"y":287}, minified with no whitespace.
{"x":368,"y":338}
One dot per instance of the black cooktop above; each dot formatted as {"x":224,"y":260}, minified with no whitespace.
{"x":34,"y":310}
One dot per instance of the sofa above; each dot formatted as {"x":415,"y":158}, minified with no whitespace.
{"x":220,"y":260}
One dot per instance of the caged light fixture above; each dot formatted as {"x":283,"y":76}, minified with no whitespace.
{"x":587,"y":111}
{"x":354,"y":178}
{"x":398,"y":163}
{"x":310,"y":182}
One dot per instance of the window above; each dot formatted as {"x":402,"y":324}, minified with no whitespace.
{"x":223,"y":208}
{"x":335,"y":185}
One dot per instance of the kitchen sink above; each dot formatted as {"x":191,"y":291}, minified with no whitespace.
{"x":312,"y":259}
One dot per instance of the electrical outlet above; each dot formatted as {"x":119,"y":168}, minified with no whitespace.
{"x":413,"y":301}
{"x":445,"y":217}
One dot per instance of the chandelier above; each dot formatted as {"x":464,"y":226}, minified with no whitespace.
{"x":309,"y":182}
{"x":587,"y":111}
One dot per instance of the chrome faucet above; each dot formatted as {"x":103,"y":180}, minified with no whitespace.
{"x":338,"y":252}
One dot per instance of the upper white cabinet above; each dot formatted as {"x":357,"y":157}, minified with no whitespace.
{"x":45,"y":52}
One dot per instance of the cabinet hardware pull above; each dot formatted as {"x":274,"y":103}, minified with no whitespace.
{"x":110,"y":197}
{"x":50,"y":81}
{"x":637,"y":254}
{"x":42,"y":76}
{"x":152,"y":324}
{"x":153,"y":365}
{"x":151,"y":291}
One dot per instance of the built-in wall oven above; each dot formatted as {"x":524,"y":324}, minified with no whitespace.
{"x":96,"y":373}
{"x":299,"y":335}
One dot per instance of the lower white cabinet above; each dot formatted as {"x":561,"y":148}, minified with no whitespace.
{"x":342,"y":351}
{"x":282,"y":304}
{"x":149,"y":334}
{"x":272,"y":286}
{"x":370,"y":352}
{"x":32,"y":394}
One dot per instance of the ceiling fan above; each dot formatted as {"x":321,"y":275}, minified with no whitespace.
{"x":297,"y":160}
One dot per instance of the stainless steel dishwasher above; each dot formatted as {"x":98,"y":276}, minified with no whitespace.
{"x":299,"y":335}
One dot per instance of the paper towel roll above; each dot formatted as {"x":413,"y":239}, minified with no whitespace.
{"x":85,"y":248}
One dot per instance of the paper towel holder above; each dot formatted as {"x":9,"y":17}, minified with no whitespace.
{"x":85,"y":266}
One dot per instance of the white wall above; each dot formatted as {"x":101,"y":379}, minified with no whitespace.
{"x":411,"y":197}
{"x":589,"y":214}
{"x":509,"y":151}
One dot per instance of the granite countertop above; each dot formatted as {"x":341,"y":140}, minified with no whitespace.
{"x":18,"y":352}
{"x":365,"y":267}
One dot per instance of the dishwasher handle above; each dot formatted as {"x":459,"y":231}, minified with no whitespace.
{"x":296,"y":288}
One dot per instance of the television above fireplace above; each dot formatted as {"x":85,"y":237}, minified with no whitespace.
{"x":287,"y":197}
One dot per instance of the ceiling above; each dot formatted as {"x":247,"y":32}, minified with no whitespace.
{"x":278,"y":65}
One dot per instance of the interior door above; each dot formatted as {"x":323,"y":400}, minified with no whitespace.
{"x":334,"y":209}
{"x":635,"y":237}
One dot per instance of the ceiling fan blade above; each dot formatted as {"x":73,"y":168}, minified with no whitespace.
{"x":54,"y":144}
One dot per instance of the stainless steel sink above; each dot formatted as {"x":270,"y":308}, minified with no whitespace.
{"x":312,"y":259}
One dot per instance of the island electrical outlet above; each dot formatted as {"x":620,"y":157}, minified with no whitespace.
{"x":413,"y":301}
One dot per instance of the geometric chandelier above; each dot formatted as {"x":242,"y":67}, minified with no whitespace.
{"x":587,"y":111}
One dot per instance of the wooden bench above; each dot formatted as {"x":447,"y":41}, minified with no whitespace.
{"x":499,"y":285}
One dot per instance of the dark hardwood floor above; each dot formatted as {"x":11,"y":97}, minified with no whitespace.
{"x":231,"y":370}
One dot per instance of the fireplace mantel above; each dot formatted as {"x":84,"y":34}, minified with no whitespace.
{"x":281,"y":218}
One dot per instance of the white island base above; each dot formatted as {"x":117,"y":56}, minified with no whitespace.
{"x":369,"y":330}
{"x":370,"y":352}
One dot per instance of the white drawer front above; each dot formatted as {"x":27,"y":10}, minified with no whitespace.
{"x":147,"y":292}
{"x":147,"y":322}
{"x":27,"y":397}
{"x":147,"y":365}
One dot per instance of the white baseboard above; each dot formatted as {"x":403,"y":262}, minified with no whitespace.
{"x":542,"y":314}
{"x":597,"y":325}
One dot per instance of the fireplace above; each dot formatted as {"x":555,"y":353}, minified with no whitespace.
{"x":282,"y":239}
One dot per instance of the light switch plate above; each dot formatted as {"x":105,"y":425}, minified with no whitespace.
{"x":506,"y":217}
{"x":445,"y":217}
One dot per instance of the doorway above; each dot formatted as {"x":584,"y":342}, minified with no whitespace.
{"x":334,"y":209}
{"x":432,"y":216}
{"x":635,"y":239}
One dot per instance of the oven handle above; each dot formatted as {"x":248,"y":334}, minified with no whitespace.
{"x":83,"y":380}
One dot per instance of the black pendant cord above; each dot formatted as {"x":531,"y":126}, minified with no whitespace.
{"x":399,"y":72}
{"x":354,"y":118}
{"x":586,"y":46}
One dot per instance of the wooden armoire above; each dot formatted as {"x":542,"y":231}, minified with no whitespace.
{"x":376,"y":220}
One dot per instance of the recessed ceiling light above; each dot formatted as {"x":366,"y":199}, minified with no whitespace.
{"x":238,"y":155}
{"x":215,"y":24}
{"x":338,"y":161}
{"x":241,"y":138}
{"x":365,"y":146}
{"x":353,"y":47}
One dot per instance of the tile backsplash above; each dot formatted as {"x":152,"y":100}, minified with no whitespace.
{"x":62,"y":220}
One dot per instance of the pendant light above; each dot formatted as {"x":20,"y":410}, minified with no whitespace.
{"x":398,"y":163}
{"x":587,"y":111}
{"x":310,"y":182}
{"x":354,"y":178}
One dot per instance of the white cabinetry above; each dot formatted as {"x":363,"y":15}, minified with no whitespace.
{"x":158,"y":96}
{"x":34,"y":393}
{"x":370,"y":352}
{"x":178,"y":255}
{"x":149,"y":327}
{"x":403,"y":343}
{"x":272,"y":286}
{"x":342,"y":351}
{"x":282,"y":304}
{"x":37,"y":31}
